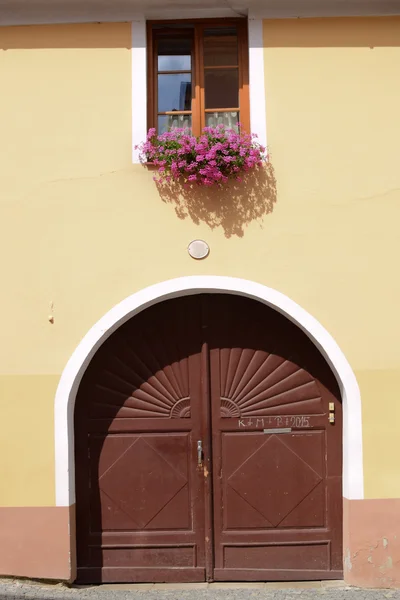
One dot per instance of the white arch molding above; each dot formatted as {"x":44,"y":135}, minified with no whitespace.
{"x":353,"y":484}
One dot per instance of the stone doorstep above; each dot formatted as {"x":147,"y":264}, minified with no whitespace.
{"x":276,"y":585}
{"x":273,"y":585}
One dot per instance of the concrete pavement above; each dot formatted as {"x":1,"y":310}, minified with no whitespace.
{"x":24,"y":590}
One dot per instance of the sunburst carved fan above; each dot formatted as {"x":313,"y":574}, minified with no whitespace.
{"x":255,"y":383}
{"x":152,"y":385}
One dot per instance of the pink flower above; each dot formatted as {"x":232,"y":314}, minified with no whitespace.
{"x":219,"y":153}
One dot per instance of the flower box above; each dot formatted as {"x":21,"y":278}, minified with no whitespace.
{"x":215,"y":157}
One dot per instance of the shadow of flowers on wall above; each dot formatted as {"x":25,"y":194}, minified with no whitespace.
{"x":231,"y":207}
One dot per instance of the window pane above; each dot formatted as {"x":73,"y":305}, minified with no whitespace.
{"x":174,"y":92}
{"x":167,"y":122}
{"x":221,"y":88}
{"x":220,"y":47}
{"x":229,"y":119}
{"x":174,"y":55}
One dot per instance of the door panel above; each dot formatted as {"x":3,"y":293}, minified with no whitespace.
{"x":274,"y":482}
{"x":140,"y":496}
{"x":154,"y":494}
{"x":262,"y":501}
{"x":274,"y":478}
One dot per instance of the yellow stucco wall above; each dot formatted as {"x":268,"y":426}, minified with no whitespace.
{"x":81,"y":228}
{"x":333,"y":126}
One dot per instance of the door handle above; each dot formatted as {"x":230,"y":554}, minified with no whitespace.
{"x":199,"y":453}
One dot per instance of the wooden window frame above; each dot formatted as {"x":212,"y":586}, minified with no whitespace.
{"x":198,"y":99}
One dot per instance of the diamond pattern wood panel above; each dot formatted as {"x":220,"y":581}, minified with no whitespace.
{"x":284,"y":480}
{"x":289,"y":470}
{"x":148,"y":484}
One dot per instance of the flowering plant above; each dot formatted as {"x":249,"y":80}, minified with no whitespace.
{"x":210,"y":159}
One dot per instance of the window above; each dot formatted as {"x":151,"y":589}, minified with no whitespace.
{"x":198,"y":75}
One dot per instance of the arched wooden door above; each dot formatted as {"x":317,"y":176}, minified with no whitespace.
{"x":204,"y":449}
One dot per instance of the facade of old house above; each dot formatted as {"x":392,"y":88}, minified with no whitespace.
{"x":200,"y":384}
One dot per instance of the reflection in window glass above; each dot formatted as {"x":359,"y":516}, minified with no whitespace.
{"x":174,"y":55}
{"x":174,"y":63}
{"x":174,"y":92}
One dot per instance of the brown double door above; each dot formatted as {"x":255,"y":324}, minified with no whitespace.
{"x":204,"y":449}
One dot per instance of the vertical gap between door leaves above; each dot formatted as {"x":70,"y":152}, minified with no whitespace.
{"x":207,"y":442}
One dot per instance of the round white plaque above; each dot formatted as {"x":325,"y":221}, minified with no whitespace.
{"x":198,"y":249}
